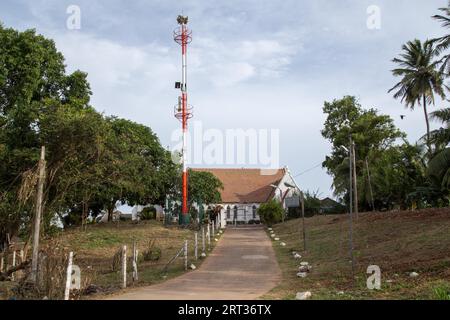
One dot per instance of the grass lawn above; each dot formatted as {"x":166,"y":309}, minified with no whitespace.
{"x":95,"y":248}
{"x":398,"y":242}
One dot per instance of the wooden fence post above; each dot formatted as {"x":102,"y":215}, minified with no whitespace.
{"x":2,"y":262}
{"x":213,"y":229}
{"x":69,"y":277}
{"x":124,"y":267}
{"x":196,"y":246}
{"x":37,"y":217}
{"x":185,"y":255}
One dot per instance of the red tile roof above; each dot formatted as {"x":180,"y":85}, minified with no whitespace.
{"x":247,"y":185}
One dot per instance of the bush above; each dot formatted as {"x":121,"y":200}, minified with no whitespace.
{"x":271,"y":212}
{"x":194,"y":213}
{"x":152,"y":253}
{"x":148,"y":213}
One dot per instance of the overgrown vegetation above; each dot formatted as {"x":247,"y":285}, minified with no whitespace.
{"x":271,"y":212}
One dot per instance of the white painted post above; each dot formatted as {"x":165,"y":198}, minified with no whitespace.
{"x":137,"y":258}
{"x":203,"y":240}
{"x":22,"y":257}
{"x":13,"y":264}
{"x":208,"y":234}
{"x":124,"y":267}
{"x":135,"y":255}
{"x":185,"y":255}
{"x":196,"y":246}
{"x":68,"y":277}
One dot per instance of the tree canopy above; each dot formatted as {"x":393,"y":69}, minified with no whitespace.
{"x":93,"y":161}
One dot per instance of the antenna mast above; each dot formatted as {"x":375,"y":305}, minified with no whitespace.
{"x":183,"y":112}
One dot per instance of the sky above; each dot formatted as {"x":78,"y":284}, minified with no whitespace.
{"x":253,"y":65}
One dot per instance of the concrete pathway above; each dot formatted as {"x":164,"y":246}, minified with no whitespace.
{"x":242,"y":266}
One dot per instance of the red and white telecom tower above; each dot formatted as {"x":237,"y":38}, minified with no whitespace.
{"x":183,"y":111}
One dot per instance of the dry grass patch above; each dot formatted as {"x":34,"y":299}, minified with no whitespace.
{"x":398,"y":242}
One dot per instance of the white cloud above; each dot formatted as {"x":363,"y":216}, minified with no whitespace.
{"x":256,"y":64}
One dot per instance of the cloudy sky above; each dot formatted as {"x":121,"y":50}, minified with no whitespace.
{"x":252,"y":64}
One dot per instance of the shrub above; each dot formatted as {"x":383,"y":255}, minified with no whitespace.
{"x":152,"y":253}
{"x":149,"y":213}
{"x":271,"y":212}
{"x":194,"y":213}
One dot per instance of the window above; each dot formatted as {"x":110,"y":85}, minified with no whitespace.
{"x":228,"y":212}
{"x":254,"y":212}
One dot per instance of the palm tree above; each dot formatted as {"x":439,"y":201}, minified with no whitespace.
{"x":443,"y":43}
{"x":441,"y":137}
{"x":439,"y":171}
{"x":421,"y":80}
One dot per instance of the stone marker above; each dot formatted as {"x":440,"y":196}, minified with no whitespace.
{"x":304,"y":263}
{"x":303,"y":295}
{"x":297,"y":256}
{"x":304,"y":268}
{"x":283,"y":244}
{"x":193,"y":267}
{"x":413,"y":274}
{"x":302,"y":274}
{"x":277,"y":239}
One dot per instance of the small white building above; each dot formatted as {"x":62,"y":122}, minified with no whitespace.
{"x":246,"y":189}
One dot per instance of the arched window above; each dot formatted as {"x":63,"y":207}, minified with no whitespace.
{"x":228,"y":212}
{"x":235,"y":212}
{"x":254,"y":212}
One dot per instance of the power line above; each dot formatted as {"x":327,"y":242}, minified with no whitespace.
{"x":306,"y":171}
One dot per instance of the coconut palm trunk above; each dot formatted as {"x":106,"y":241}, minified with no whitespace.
{"x":428,"y":124}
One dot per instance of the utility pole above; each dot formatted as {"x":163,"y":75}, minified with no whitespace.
{"x":37,"y":217}
{"x":351,"y":207}
{"x":355,"y":184}
{"x":370,"y":185}
{"x":302,"y":200}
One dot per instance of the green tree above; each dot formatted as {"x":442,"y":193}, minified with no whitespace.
{"x":32,"y":77}
{"x":439,"y":172}
{"x":372,"y":133}
{"x":443,"y":43}
{"x":136,"y":169}
{"x":421,"y":78}
{"x":441,"y":137}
